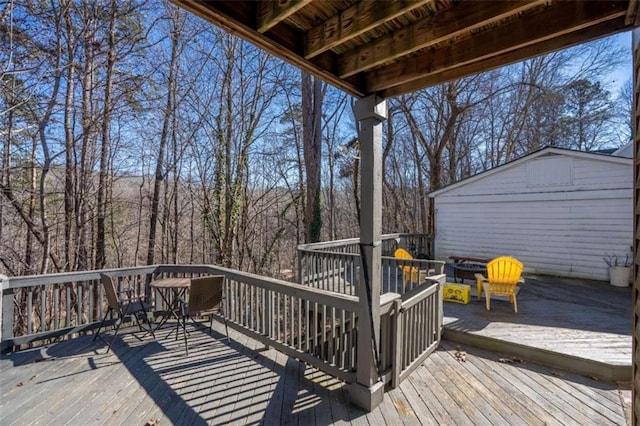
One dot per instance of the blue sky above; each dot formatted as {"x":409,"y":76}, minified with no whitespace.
{"x":619,"y":77}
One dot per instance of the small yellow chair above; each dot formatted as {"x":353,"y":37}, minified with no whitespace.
{"x":411,"y":273}
{"x":503,"y":276}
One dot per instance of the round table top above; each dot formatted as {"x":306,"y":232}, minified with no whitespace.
{"x":470,"y":267}
{"x":171,"y":283}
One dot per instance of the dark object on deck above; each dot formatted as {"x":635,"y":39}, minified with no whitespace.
{"x":123,"y":307}
{"x":205,"y":297}
{"x":467,"y":267}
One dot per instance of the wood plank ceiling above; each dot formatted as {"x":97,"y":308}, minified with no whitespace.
{"x":392,"y":47}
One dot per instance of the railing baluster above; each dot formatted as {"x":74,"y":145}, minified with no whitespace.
{"x":291,"y":326}
{"x":335,"y":337}
{"x":324,"y":332}
{"x":43,"y":309}
{"x":239,"y":302}
{"x":91,"y":302}
{"x":342,"y":344}
{"x":29,"y":310}
{"x":307,"y":316}
{"x":56,"y":307}
{"x":67,"y":306}
{"x":278,"y":317}
{"x":315,"y":328}
{"x":299,"y":319}
{"x":79,"y":303}
{"x":252,"y":307}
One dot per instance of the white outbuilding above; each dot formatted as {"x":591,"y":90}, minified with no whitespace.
{"x":559,"y":211}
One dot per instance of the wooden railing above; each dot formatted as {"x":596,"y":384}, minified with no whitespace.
{"x":419,"y":245}
{"x":411,"y":295}
{"x":314,"y":325}
{"x":411,"y":326}
{"x":327,"y":270}
{"x":41,"y":307}
{"x":334,"y":265}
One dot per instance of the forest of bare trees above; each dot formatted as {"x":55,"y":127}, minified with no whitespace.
{"x":135,"y":133}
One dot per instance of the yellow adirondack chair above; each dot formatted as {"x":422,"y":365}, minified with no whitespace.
{"x":411,"y":273}
{"x":503,"y":277}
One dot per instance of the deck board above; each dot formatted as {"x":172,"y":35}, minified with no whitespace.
{"x":230,"y":383}
{"x":503,"y":391}
{"x":476,"y":389}
{"x":424,"y":393}
{"x":536,"y":401}
{"x":466,"y":400}
{"x":221,"y":383}
{"x":573,"y":318}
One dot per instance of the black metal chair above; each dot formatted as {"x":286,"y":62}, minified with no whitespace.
{"x":205,"y":297}
{"x":123,"y":307}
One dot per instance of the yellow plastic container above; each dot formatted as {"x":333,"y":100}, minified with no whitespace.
{"x":457,"y":293}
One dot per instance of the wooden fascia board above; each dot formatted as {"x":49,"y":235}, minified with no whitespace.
{"x":547,"y":46}
{"x":272,"y":12}
{"x":560,"y":19}
{"x":239,"y":18}
{"x":354,"y":21}
{"x":462,"y":17}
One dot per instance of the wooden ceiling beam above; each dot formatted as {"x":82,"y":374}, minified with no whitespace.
{"x":632,"y":13}
{"x":460,"y":18}
{"x":572,"y":39}
{"x":272,"y":12}
{"x":239,"y":18}
{"x":560,"y":18}
{"x":354,"y":21}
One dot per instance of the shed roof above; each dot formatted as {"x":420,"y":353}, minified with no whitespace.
{"x":391,"y":47}
{"x":549,"y":150}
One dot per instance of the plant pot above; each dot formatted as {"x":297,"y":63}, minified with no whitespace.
{"x":619,"y":276}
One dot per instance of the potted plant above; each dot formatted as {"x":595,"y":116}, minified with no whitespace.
{"x":619,"y":269}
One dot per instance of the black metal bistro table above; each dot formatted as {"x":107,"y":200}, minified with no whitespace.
{"x":466,"y":268}
{"x":171,"y":291}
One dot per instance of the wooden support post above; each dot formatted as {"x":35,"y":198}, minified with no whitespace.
{"x":636,"y":230}
{"x":368,"y":390}
{"x":6,"y":313}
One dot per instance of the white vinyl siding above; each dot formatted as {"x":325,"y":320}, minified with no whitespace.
{"x":552,"y":226}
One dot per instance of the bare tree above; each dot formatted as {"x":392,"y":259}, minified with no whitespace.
{"x":177,"y":25}
{"x":312,"y":96}
{"x":100,"y":256}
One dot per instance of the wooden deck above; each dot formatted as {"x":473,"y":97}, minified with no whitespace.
{"x":153,"y":382}
{"x":580,"y":325}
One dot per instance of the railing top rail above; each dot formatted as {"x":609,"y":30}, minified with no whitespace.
{"x":334,"y":253}
{"x":356,"y":240}
{"x":425,"y":290}
{"x":329,"y":244}
{"x":338,"y":300}
{"x":414,"y":260}
{"x":64,"y":277}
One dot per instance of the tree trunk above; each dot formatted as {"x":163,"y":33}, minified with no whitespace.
{"x":69,"y":181}
{"x":312,"y":95}
{"x":33,"y":181}
{"x":83,"y":182}
{"x":164,"y":136}
{"x":100,"y":259}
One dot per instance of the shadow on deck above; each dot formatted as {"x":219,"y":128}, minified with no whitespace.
{"x":153,"y":381}
{"x":147,"y":381}
{"x":570,"y":322}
